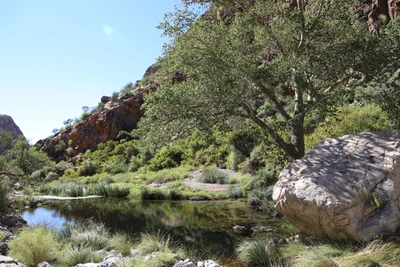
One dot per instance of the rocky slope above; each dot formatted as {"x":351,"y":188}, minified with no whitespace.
{"x":7,"y":124}
{"x":100,"y":126}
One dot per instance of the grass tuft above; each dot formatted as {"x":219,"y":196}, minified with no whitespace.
{"x":213,"y":175}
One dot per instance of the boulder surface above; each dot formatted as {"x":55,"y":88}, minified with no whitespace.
{"x":344,"y":189}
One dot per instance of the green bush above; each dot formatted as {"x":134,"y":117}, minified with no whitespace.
{"x":213,"y":175}
{"x":234,"y":191}
{"x":34,"y":245}
{"x":4,"y":189}
{"x":60,"y":146}
{"x":87,"y":168}
{"x":167,"y":157}
{"x":115,"y":166}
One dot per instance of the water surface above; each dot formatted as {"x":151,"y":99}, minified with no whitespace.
{"x":205,"y":227}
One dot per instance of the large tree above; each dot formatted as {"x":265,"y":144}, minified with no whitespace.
{"x":242,"y":55}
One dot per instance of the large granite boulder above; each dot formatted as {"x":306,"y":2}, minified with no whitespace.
{"x":345,"y":188}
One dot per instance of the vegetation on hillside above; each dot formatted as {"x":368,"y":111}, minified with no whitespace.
{"x":266,"y":63}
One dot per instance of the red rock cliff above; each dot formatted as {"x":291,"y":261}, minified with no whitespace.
{"x":100,"y":126}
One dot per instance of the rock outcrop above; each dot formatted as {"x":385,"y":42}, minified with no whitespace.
{"x":345,"y":188}
{"x":8,"y":224}
{"x":377,"y":12}
{"x":7,"y":124}
{"x":100,"y":126}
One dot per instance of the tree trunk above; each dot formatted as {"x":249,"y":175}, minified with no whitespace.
{"x":297,"y":137}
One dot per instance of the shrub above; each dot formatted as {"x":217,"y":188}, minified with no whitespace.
{"x":2,"y":236}
{"x":168,"y":157}
{"x":261,"y":252}
{"x":39,"y":175}
{"x":74,"y":256}
{"x":4,"y":202}
{"x":234,"y":191}
{"x":91,"y":239}
{"x":109,"y":191}
{"x":88,"y":168}
{"x":135,"y":164}
{"x":34,"y":245}
{"x":121,"y":244}
{"x":213,"y":175}
{"x":115,"y":166}
{"x":60,"y":146}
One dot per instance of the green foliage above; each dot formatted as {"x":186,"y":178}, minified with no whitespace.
{"x":87,"y":167}
{"x":109,"y":191}
{"x":74,"y":256}
{"x":262,"y":57}
{"x":235,"y":191}
{"x":390,"y":98}
{"x":167,"y":175}
{"x":115,"y":166}
{"x":2,"y":236}
{"x":6,"y":139}
{"x":260,"y":252}
{"x":34,"y":246}
{"x":114,"y":96}
{"x":70,"y":151}
{"x":348,"y":120}
{"x":243,"y":141}
{"x":4,"y":190}
{"x":60,"y":147}
{"x":213,"y":175}
{"x":167,"y":157}
{"x":26,"y":158}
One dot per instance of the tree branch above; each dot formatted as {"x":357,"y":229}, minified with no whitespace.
{"x":342,"y":81}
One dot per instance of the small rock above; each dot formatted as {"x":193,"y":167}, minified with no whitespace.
{"x":150,"y":256}
{"x":186,"y":263}
{"x":210,"y":263}
{"x":239,"y":229}
{"x":258,"y":229}
{"x":17,"y":186}
{"x":44,"y":264}
{"x":6,"y":261}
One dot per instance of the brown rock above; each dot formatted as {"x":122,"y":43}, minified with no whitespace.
{"x":100,"y":126}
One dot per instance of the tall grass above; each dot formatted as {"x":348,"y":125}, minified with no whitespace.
{"x":109,"y":191}
{"x":213,"y":175}
{"x":147,"y":193}
{"x":80,"y":190}
{"x":260,"y":252}
{"x":34,"y":245}
{"x":2,"y":236}
{"x":167,"y":175}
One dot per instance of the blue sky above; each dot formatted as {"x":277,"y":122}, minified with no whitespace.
{"x":57,"y":56}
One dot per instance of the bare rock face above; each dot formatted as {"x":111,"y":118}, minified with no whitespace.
{"x":100,"y":126}
{"x":7,"y":124}
{"x":345,"y":188}
{"x":376,"y":12}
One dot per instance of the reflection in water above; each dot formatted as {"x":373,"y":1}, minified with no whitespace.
{"x":46,"y":216}
{"x":203,"y":226}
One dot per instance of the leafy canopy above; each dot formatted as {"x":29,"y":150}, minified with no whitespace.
{"x":240,"y":57}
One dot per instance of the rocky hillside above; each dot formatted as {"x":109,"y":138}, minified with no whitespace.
{"x":7,"y":124}
{"x":100,"y":126}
